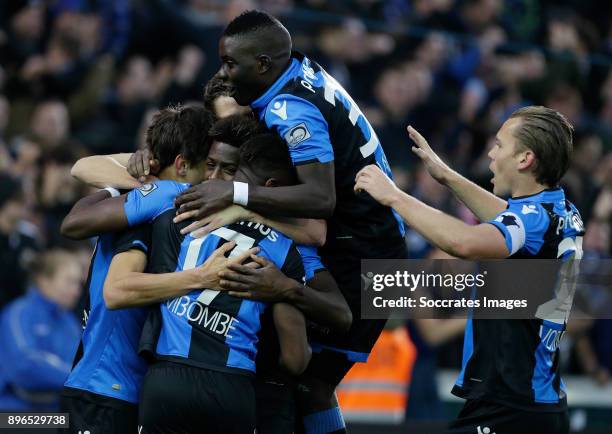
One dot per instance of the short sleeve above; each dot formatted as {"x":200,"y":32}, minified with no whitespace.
{"x":302,"y":127}
{"x":293,"y":267}
{"x":144,"y":204}
{"x":523,"y":225}
{"x":136,"y":238}
{"x":311,"y":260}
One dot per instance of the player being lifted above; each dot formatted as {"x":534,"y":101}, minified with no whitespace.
{"x":517,"y":387}
{"x":329,"y":141}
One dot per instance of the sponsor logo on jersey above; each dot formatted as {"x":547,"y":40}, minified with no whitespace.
{"x":529,"y":209}
{"x":297,"y":134}
{"x":280,"y":110}
{"x":147,"y":188}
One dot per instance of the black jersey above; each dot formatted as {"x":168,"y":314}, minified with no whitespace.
{"x":516,"y":362}
{"x":320,"y":122}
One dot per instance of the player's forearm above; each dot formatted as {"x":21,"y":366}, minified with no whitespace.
{"x":105,"y":171}
{"x":296,"y":201}
{"x":324,"y":308}
{"x":442,"y":230}
{"x":141,"y":289}
{"x":95,"y":216}
{"x":295,"y":352}
{"x":312,"y":232}
{"x":484,"y":204}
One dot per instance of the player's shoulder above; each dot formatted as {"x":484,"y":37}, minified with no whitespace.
{"x":532,"y":214}
{"x":161,"y":186}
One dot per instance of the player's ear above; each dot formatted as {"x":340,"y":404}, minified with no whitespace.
{"x":526,"y":160}
{"x":271,"y":182}
{"x":180,"y":165}
{"x":264,"y":63}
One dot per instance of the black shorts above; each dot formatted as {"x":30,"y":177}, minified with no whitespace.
{"x":482,"y":417}
{"x":275,"y":404}
{"x":345,"y":267}
{"x":97,"y":414}
{"x":177,"y":398}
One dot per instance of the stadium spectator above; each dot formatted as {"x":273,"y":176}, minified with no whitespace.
{"x":39,"y":335}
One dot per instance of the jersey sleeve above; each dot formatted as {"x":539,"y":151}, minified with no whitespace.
{"x":311,"y":260}
{"x":302,"y":126}
{"x":293,"y":267}
{"x":136,"y":238}
{"x":523,"y":226}
{"x":144,"y":204}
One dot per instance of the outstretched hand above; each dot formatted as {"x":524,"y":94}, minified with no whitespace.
{"x":266,"y":283}
{"x":437,"y":168}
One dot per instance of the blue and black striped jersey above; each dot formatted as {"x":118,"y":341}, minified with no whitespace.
{"x":516,"y":362}
{"x":208,"y":328}
{"x":320,"y":122}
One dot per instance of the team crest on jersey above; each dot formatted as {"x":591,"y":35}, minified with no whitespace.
{"x":297,"y":134}
{"x":147,"y":188}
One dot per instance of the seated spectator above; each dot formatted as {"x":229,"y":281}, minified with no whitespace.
{"x":39,"y":335}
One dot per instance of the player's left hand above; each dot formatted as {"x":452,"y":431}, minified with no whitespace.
{"x":266,"y":283}
{"x":204,"y":199}
{"x":372,"y":180}
{"x":225,"y":217}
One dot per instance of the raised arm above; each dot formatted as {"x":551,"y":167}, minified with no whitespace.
{"x":484,"y":204}
{"x":105,"y":171}
{"x":442,"y":230}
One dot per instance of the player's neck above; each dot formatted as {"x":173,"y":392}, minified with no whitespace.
{"x":527,"y":186}
{"x":169,"y":174}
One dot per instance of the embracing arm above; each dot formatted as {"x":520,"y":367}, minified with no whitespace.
{"x":105,"y":171}
{"x":311,"y":232}
{"x":127,"y":285}
{"x":320,"y":300}
{"x":313,"y":197}
{"x":95,"y":214}
{"x":442,"y":230}
{"x":290,"y":326}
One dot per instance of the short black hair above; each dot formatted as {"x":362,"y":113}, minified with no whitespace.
{"x":266,"y":154}
{"x":250,"y":21}
{"x":234,"y":130}
{"x":213,"y":90}
{"x":179,"y":130}
{"x":11,"y":188}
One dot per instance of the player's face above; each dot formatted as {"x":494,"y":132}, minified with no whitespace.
{"x":504,"y":159}
{"x":222,"y":162}
{"x":239,"y":69}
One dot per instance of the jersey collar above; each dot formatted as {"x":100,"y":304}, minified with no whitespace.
{"x":261,"y":102}
{"x":548,"y":195}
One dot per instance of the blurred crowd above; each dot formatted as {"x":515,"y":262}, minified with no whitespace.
{"x":82,"y":77}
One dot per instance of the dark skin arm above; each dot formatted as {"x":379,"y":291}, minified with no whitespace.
{"x":313,"y":197}
{"x":95,"y":214}
{"x":320,"y":299}
{"x":290,"y":326}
